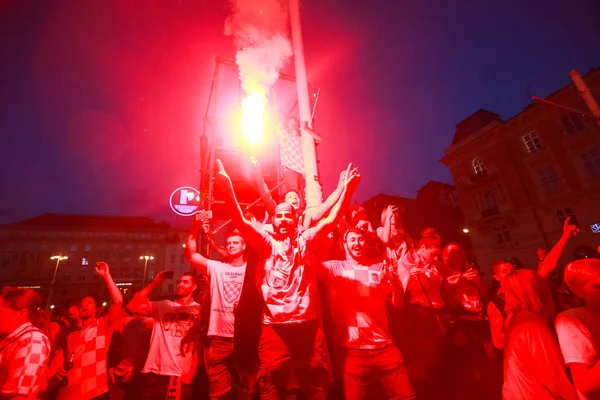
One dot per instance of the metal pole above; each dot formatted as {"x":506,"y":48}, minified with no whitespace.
{"x":586,"y":94}
{"x":144,"y":277}
{"x":48,"y":303}
{"x":314,"y":195}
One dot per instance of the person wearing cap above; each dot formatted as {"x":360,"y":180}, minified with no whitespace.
{"x":292,"y":350}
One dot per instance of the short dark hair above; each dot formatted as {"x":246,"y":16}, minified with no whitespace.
{"x":430,"y":239}
{"x":359,"y":232}
{"x":192,"y":277}
{"x":22,"y":299}
{"x":96,"y":299}
{"x":234,"y":232}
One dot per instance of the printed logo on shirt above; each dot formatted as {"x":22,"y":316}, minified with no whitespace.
{"x":232,"y":290}
{"x":375,"y":277}
{"x":179,"y":322}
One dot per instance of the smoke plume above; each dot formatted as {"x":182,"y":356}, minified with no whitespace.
{"x":261,"y":35}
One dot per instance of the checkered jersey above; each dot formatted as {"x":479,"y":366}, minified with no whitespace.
{"x":357,"y":296}
{"x":287,"y":283}
{"x":23,"y":362}
{"x":290,"y":151}
{"x":88,"y":377}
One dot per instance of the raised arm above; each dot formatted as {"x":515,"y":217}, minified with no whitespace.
{"x":140,"y":303}
{"x":386,"y":234}
{"x":549,"y":263}
{"x":249,"y":231}
{"x":328,"y":223}
{"x":197,"y":260}
{"x":314,"y":215}
{"x":262,"y":188}
{"x":114,"y":312}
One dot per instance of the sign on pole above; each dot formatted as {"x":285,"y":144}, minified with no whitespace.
{"x":185,"y":201}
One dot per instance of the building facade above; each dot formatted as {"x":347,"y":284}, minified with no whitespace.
{"x":517,"y":180}
{"x":27,"y":248}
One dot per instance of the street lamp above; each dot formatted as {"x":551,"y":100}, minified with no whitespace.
{"x":466,"y":230}
{"x":145,"y":258}
{"x":58,"y":259}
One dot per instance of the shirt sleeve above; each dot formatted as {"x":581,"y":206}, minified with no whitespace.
{"x":156,"y":309}
{"x":28,"y":365}
{"x":575,"y":342}
{"x":211,"y":265}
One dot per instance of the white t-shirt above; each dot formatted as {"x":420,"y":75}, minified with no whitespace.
{"x":172,"y":322}
{"x":578,"y":333}
{"x":226,"y":284}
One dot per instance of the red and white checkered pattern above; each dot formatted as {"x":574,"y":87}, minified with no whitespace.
{"x":290,"y":151}
{"x":88,"y":378}
{"x":357,"y":296}
{"x":23,"y":362}
{"x":287,"y":284}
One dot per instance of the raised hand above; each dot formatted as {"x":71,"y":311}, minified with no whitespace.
{"x":352,"y":175}
{"x":568,"y":229}
{"x":102,"y":269}
{"x":389,"y":211}
{"x":160,"y":277}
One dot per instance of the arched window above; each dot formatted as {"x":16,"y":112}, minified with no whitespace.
{"x":478,"y":166}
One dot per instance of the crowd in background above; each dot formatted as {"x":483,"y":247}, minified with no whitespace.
{"x":318,"y":303}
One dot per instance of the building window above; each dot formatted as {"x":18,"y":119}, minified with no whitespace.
{"x":67,"y":278}
{"x":181,"y":259}
{"x":532,"y":142}
{"x":563,"y":214}
{"x":502,"y":234}
{"x":572,"y":122}
{"x":81,"y":278}
{"x":84,"y":261}
{"x":5,"y":263}
{"x":73,"y":247}
{"x":549,"y":179}
{"x":88,"y":247}
{"x":478,"y":166}
{"x":591,"y":162}
{"x":172,"y":258}
{"x":171,"y":288}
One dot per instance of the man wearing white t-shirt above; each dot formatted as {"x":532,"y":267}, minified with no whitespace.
{"x":173,"y":357}
{"x":578,"y":329}
{"x":292,"y":349}
{"x":225,"y":285}
{"x":358,"y":291}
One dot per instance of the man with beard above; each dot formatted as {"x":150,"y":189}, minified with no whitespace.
{"x":169,"y":368}
{"x":292,"y":350}
{"x":89,"y":346}
{"x":358,"y":291}
{"x":225,"y":287}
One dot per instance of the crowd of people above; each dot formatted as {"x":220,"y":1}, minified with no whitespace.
{"x":317,"y":303}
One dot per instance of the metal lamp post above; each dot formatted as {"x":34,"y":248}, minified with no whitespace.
{"x":146,"y":258}
{"x":58,"y":259}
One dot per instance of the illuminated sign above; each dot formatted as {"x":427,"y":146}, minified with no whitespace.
{"x":124,"y":284}
{"x":185,"y":201}
{"x":595,"y":227}
{"x":29,"y":287}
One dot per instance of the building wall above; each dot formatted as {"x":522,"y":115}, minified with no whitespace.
{"x":522,"y":190}
{"x":25,"y":254}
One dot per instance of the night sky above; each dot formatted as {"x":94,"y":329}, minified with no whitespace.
{"x":103,"y":100}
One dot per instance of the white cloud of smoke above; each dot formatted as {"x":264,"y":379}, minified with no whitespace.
{"x":261,"y":32}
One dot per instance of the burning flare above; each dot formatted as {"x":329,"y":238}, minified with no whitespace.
{"x":253,"y":107}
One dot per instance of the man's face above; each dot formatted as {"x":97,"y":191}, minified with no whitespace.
{"x":430,"y":254}
{"x":235,"y":246}
{"x":9,"y":319}
{"x":284,"y":222}
{"x":355,"y":245}
{"x":185,"y":286}
{"x":87,"y":309}
{"x":455,"y":255}
{"x":293,"y":199}
{"x":73,"y":313}
{"x":502,"y":270}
